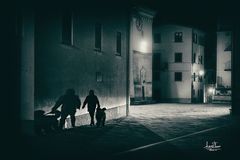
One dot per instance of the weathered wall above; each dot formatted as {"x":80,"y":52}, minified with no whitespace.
{"x":26,"y":37}
{"x":141,"y":53}
{"x":27,"y":65}
{"x":59,"y":66}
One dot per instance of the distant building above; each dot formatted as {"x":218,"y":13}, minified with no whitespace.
{"x":141,"y":55}
{"x":224,"y":66}
{"x":178,"y":64}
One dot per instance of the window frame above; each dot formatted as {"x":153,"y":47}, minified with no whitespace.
{"x":176,"y":78}
{"x":99,"y":77}
{"x":98,"y":36}
{"x":118,"y":43}
{"x":195,"y":38}
{"x":178,"y":59}
{"x":194,"y":58}
{"x":178,"y":37}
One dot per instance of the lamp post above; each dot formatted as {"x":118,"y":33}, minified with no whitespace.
{"x":210,"y":93}
{"x":200,"y":87}
{"x":201,"y":78}
{"x":201,"y":72}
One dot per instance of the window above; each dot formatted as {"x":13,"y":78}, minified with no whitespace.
{"x":178,"y":76}
{"x":98,"y":36}
{"x":157,"y":38}
{"x":67,"y":29}
{"x":193,"y":92}
{"x":194,"y":77}
{"x":178,"y":37}
{"x":99,"y":77}
{"x":200,"y":60}
{"x":194,"y":58}
{"x":178,"y":57}
{"x":118,"y":43}
{"x":195,"y":38}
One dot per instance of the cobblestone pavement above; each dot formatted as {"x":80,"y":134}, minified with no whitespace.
{"x":157,"y":131}
{"x":173,"y":120}
{"x":187,"y":127}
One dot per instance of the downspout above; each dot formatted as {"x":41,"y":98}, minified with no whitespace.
{"x":128,"y":61}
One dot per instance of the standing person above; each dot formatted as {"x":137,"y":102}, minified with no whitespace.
{"x":92,"y":101}
{"x":70,"y":102}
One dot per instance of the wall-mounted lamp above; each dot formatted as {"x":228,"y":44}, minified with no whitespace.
{"x":201,"y":73}
{"x":199,"y":76}
{"x":143,"y":46}
{"x":211,"y":90}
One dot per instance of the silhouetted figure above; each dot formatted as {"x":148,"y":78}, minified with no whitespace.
{"x":92,"y":101}
{"x":46,"y":122}
{"x":70,"y":102}
{"x":100,"y":116}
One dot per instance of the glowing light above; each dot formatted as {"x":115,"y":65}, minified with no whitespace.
{"x":143,"y":46}
{"x":211,"y":90}
{"x":201,"y":72}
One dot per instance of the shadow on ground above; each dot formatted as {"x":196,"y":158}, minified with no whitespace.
{"x":150,"y":136}
{"x":90,"y":142}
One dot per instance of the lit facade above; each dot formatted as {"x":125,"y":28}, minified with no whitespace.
{"x":141,"y":54}
{"x":223,"y":79}
{"x":80,"y":47}
{"x":178,"y":64}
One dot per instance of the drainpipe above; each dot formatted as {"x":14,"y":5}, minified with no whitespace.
{"x":128,"y":61}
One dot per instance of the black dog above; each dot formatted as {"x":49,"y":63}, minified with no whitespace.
{"x":100,"y":116}
{"x":46,"y":123}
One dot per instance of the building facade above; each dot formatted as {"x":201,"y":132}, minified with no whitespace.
{"x":178,"y":64}
{"x":224,"y":66}
{"x":141,"y":54}
{"x":75,"y":46}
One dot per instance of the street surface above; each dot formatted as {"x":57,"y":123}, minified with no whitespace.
{"x":156,"y":131}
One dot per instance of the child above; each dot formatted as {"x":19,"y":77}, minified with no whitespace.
{"x":100,"y":117}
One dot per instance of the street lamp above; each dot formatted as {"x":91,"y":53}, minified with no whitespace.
{"x":201,"y":73}
{"x":211,"y":90}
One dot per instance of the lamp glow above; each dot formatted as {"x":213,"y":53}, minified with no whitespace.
{"x":143,"y":46}
{"x":201,"y":72}
{"x":211,"y":90}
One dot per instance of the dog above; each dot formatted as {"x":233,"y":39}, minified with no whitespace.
{"x":100,"y":117}
{"x":46,"y":123}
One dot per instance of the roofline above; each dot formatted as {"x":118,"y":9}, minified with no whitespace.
{"x":186,"y":26}
{"x":145,"y":11}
